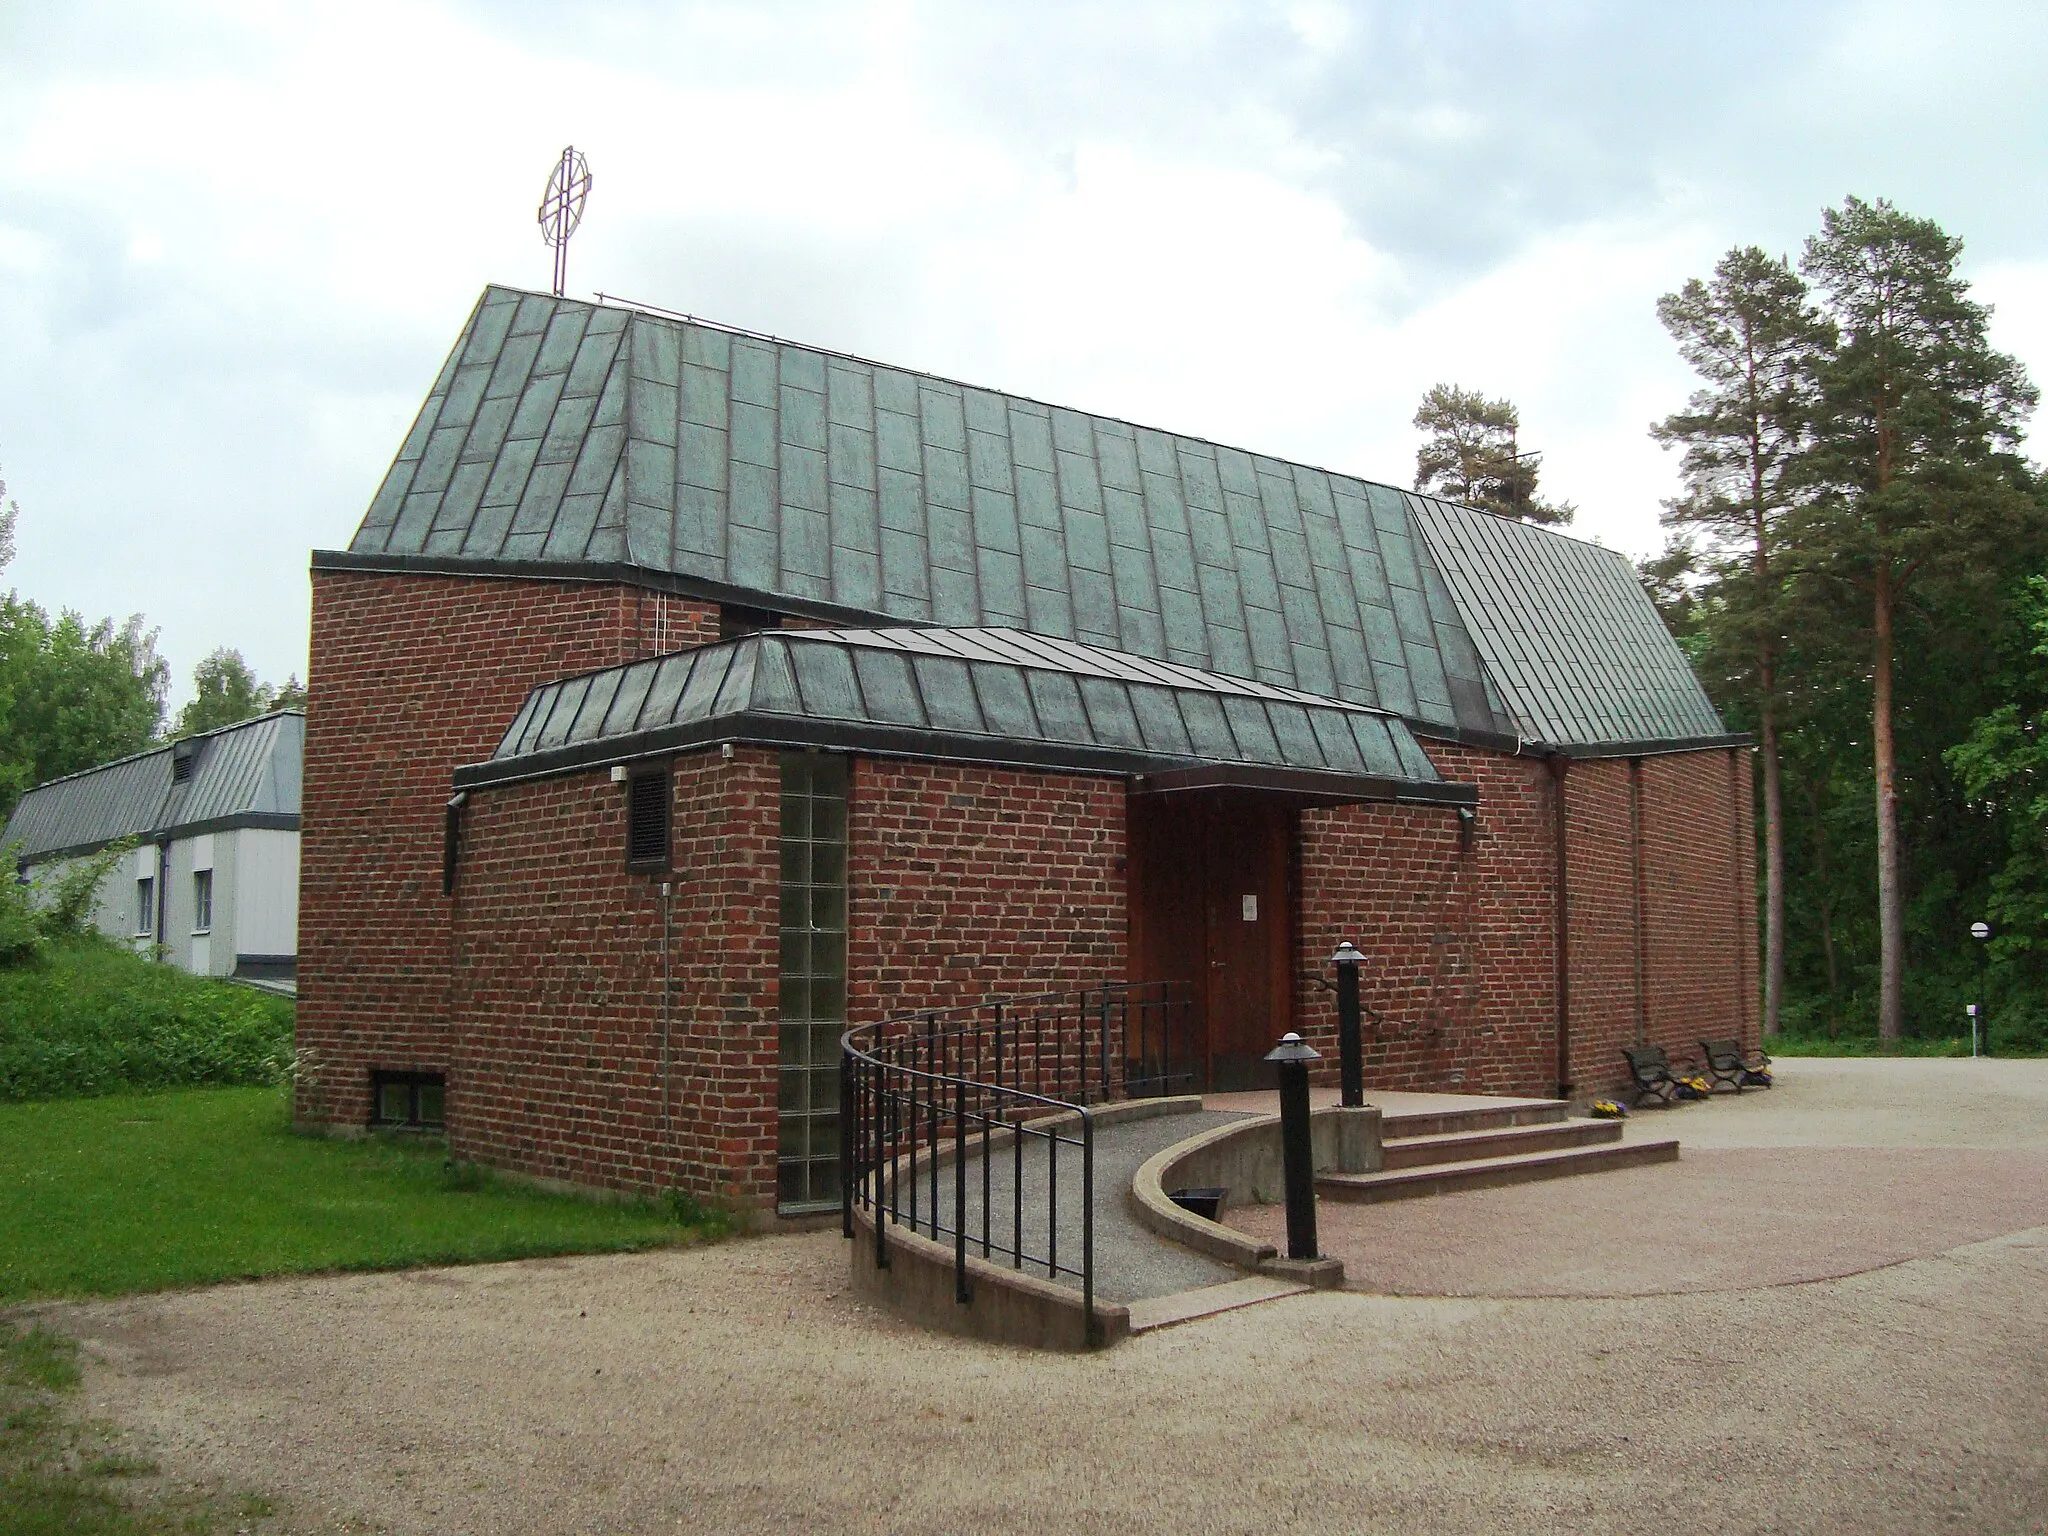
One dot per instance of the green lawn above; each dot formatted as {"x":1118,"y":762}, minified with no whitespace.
{"x":137,"y":1192}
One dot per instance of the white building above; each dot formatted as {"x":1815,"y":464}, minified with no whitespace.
{"x":213,"y":882}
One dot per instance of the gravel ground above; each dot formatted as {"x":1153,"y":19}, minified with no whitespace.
{"x":742,"y":1388}
{"x":1844,"y":1166}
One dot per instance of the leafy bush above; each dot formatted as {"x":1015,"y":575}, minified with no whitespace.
{"x":96,"y":1019}
{"x":61,"y":907}
{"x":21,"y":928}
{"x":69,"y":898}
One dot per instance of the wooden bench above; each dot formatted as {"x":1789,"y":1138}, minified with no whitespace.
{"x":1652,"y":1075}
{"x":1727,"y":1062}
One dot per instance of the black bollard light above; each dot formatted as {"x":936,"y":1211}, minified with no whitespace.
{"x":1297,"y":1152}
{"x":1350,"y":1045}
{"x":1981,"y":932}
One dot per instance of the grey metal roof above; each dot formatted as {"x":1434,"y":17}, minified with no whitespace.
{"x":564,"y":434}
{"x":1569,"y":637}
{"x":245,"y":775}
{"x":990,"y":694}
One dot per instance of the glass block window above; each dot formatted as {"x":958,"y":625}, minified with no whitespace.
{"x":813,"y":978}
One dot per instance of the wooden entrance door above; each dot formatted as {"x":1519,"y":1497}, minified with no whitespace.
{"x":1210,"y":908}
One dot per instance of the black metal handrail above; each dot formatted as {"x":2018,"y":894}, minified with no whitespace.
{"x":922,"y":1091}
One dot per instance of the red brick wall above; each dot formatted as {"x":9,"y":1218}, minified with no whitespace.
{"x":1700,"y":898}
{"x":967,"y":883}
{"x":1601,"y":867}
{"x":411,"y":676}
{"x":1458,"y":942}
{"x":1461,"y":945}
{"x":555,"y":1063}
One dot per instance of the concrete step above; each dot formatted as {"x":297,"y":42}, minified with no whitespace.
{"x":1490,"y":1172}
{"x":1501,"y":1141}
{"x":1451,"y":1122}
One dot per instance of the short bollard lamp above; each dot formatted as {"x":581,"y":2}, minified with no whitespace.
{"x":1290,"y":1059}
{"x":1350,"y":1044}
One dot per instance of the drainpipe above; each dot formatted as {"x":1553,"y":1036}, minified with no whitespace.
{"x":1559,"y":764}
{"x":163,"y":895}
{"x":667,"y":1013}
{"x":1638,"y":898}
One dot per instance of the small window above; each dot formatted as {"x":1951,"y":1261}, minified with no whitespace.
{"x":184,"y":760}
{"x":145,"y":905}
{"x":202,"y":900}
{"x":647,"y":817}
{"x":408,"y":1101}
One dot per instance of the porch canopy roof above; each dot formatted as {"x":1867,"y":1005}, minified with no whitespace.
{"x":989,"y":695}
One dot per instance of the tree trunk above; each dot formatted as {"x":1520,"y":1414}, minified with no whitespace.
{"x":1891,"y":1006}
{"x":1774,"y":858}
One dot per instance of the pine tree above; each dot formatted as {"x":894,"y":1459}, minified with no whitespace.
{"x":1469,"y":456}
{"x":1751,"y":335}
{"x":1911,"y":471}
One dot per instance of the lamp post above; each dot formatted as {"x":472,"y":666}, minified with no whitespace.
{"x":1297,"y":1151}
{"x":1981,"y":1014}
{"x":1350,"y":1047}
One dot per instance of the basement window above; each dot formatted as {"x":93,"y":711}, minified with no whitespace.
{"x":407,"y":1101}
{"x":647,"y":819}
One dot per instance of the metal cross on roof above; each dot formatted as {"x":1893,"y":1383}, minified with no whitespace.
{"x":561,"y":208}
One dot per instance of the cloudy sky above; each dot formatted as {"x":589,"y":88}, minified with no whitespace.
{"x":237,"y":240}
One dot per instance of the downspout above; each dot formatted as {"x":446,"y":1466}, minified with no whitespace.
{"x":163,"y":891}
{"x":1559,"y":765}
{"x":667,"y":1008}
{"x":1639,"y":898}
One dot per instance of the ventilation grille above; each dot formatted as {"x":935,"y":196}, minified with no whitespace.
{"x":184,"y":759}
{"x":647,"y":821}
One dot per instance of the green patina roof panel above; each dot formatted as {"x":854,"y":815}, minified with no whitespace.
{"x":1565,"y":632}
{"x":999,"y":688}
{"x":564,"y":431}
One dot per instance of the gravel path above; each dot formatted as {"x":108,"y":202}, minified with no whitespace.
{"x":742,"y":1388}
{"x":1713,"y":1221}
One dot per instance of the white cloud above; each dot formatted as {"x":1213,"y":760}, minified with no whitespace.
{"x":237,"y":241}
